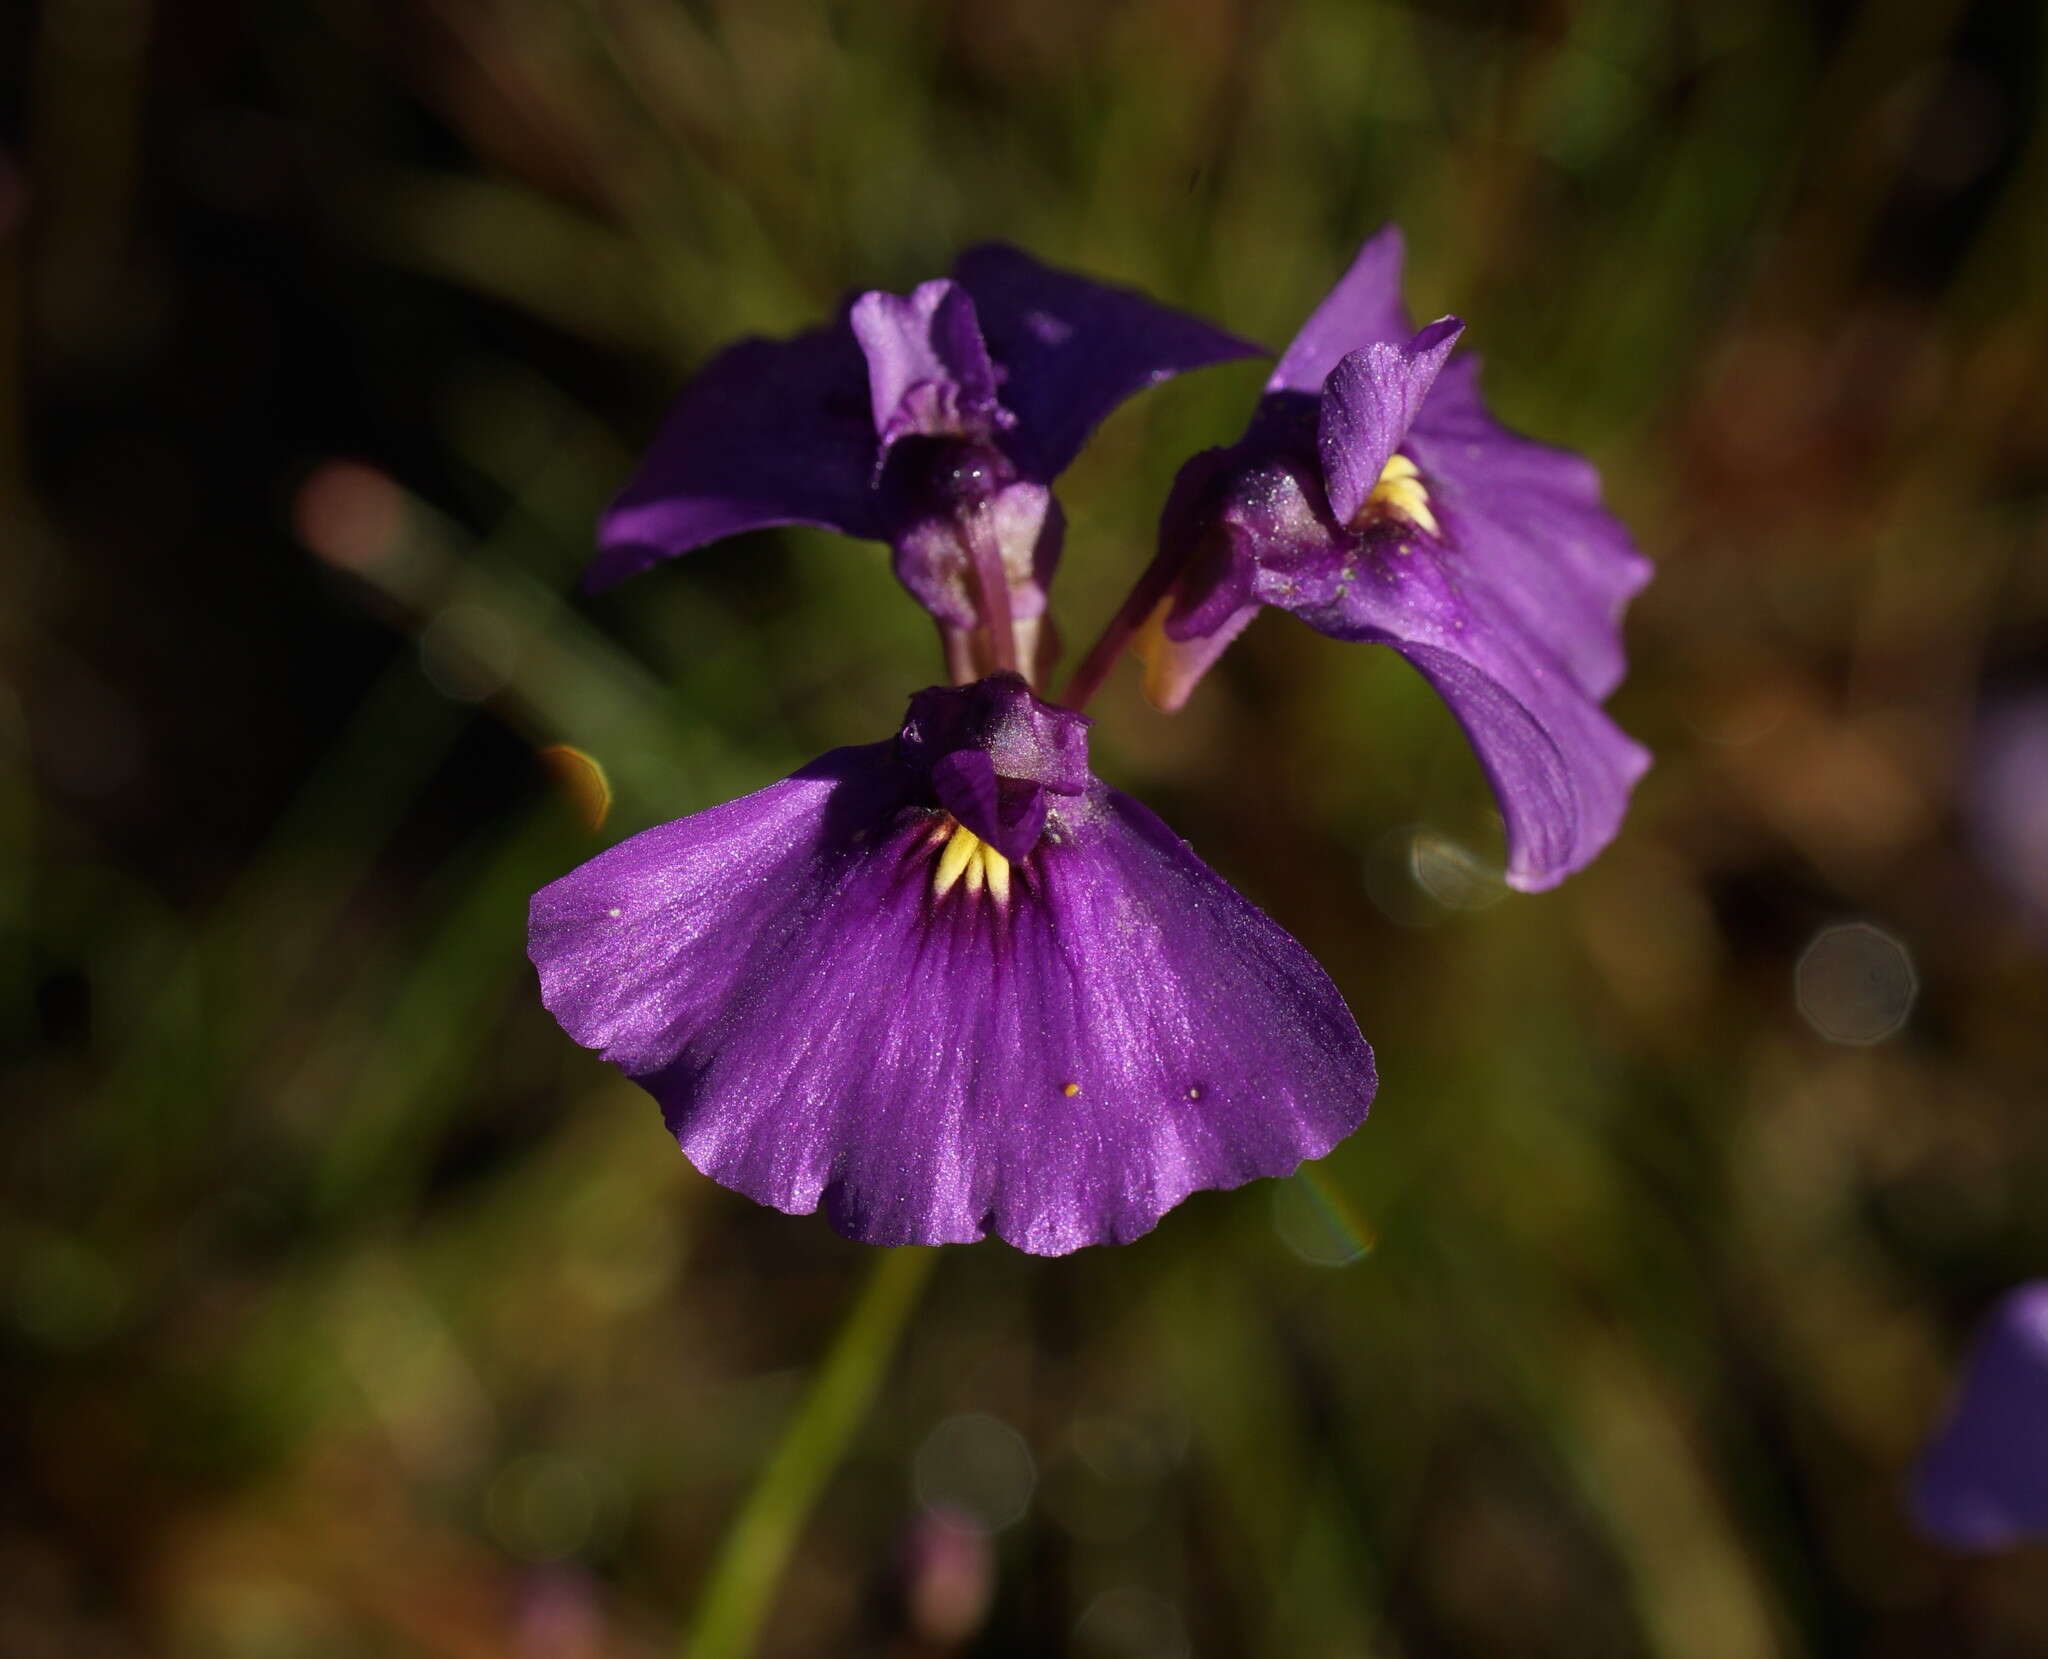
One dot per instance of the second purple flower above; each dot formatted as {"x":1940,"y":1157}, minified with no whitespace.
{"x":1376,"y":498}
{"x":934,"y":421}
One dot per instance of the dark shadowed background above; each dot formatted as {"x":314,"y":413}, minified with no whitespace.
{"x":348,"y":1309}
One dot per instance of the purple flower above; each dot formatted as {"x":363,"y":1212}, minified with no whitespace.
{"x":1983,"y":1483}
{"x":949,"y":984}
{"x":934,"y":422}
{"x":2005,"y":798}
{"x":1376,"y":498}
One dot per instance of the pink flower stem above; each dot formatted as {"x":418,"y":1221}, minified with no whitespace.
{"x":991,"y":588}
{"x":1138,"y":604}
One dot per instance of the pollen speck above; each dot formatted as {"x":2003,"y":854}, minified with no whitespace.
{"x":1194,"y":1093}
{"x":613,"y":912}
{"x":1070,"y":1089}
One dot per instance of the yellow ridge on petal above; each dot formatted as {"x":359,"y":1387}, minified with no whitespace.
{"x":953,"y":861}
{"x":1400,"y":491}
{"x":969,"y":860}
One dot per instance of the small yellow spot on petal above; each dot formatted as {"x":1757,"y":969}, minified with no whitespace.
{"x":1194,"y":1093}
{"x":953,"y":861}
{"x":613,"y":912}
{"x":1070,"y":1090}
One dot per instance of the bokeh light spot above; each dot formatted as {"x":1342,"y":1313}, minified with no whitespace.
{"x":949,"y":1577}
{"x":547,"y":1508}
{"x":1452,"y":873}
{"x":582,"y":781}
{"x":1131,"y":1623}
{"x":976,"y":1469}
{"x":1855,"y":983}
{"x":349,"y":514}
{"x":1317,"y":1222}
{"x":468,"y":653}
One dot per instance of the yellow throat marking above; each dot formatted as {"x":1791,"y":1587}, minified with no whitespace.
{"x":1399,"y":493}
{"x":970,"y":861}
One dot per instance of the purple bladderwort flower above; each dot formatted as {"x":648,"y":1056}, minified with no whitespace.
{"x":2005,"y":800}
{"x":1375,"y":497}
{"x":935,"y":422}
{"x":1983,"y":1483}
{"x":950,"y":983}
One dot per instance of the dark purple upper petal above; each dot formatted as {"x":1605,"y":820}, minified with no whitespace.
{"x":1983,"y":1483}
{"x":1365,"y":306}
{"x":1073,"y":349}
{"x":1060,"y":1058}
{"x":1022,"y":737}
{"x":1368,"y":403}
{"x":1007,"y":813}
{"x":771,"y":432}
{"x":929,"y":372}
{"x":1529,"y":520}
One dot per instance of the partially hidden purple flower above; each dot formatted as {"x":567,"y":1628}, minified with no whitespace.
{"x":935,"y":422}
{"x":2005,"y":799}
{"x":1375,"y":497}
{"x":1983,"y":1482}
{"x":949,"y":984}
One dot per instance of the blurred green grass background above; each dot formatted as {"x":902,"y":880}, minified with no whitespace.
{"x":348,"y":1309}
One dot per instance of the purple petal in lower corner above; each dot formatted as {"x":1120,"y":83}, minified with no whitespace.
{"x":1983,"y":1483}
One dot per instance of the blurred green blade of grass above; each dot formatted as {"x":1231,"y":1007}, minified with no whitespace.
{"x":382,"y":1131}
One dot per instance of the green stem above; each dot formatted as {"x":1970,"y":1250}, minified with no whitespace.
{"x":734,"y":1597}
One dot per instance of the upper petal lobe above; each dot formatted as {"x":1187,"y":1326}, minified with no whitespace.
{"x":1364,"y":306}
{"x":770,"y":432}
{"x":1073,"y":349}
{"x":929,"y":372}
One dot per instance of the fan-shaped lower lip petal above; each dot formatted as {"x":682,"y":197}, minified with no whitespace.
{"x":1059,"y":1065}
